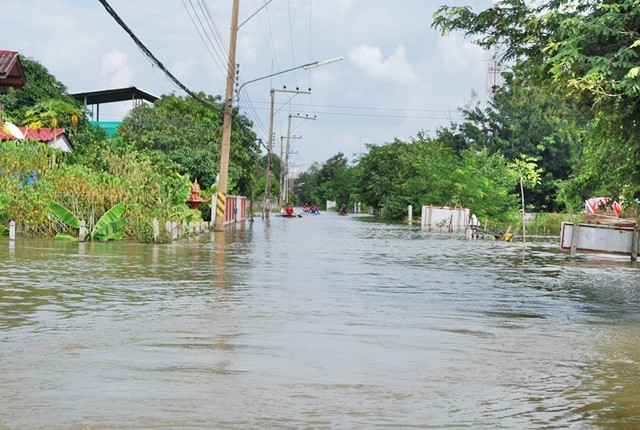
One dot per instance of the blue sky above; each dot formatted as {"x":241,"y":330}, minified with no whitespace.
{"x":398,"y":75}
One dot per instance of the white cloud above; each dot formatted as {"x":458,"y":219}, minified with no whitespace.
{"x":371,"y":61}
{"x":116,"y":71}
{"x":456,"y":53}
{"x":398,"y":76}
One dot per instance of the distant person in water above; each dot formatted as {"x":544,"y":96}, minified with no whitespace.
{"x":313,"y":209}
{"x":343,"y":209}
{"x":305,"y":208}
{"x":288,"y":210}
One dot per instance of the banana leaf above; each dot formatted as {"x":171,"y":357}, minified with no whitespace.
{"x":65,"y":215}
{"x":112,"y":215}
{"x":112,"y":231}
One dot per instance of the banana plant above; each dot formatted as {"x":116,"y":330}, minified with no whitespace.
{"x":108,"y":227}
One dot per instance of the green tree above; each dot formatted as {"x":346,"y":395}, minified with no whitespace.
{"x":433,"y":171}
{"x":188,"y":134}
{"x":382,"y":173}
{"x":522,"y":118}
{"x":585,"y":50}
{"x":528,"y":172}
{"x":40,"y":86}
{"x":333,"y":180}
{"x":307,"y":183}
{"x":45,"y":102}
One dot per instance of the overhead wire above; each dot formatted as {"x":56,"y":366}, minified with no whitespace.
{"x":215,"y":56}
{"x":161,"y":66}
{"x":215,"y":31}
{"x":153,"y":58}
{"x":269,"y":38}
{"x":340,"y":111}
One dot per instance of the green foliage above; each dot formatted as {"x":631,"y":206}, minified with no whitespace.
{"x":527,"y":170}
{"x":65,"y":215}
{"x":586,"y":52}
{"x":522,"y":118}
{"x":433,"y":171}
{"x":110,"y":224}
{"x":187,"y":134}
{"x":40,"y":85}
{"x":334,"y":179}
{"x":108,"y":227}
{"x":549,"y":224}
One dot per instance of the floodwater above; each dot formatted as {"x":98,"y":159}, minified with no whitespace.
{"x":321,"y":322}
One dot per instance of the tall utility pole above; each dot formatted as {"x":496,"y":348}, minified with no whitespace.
{"x":266,"y":208}
{"x":286,"y":162}
{"x":288,"y":136}
{"x":221,"y":200}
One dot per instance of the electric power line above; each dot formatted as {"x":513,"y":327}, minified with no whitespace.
{"x":161,"y":66}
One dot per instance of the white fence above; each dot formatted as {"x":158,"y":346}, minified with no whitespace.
{"x":444,"y":217}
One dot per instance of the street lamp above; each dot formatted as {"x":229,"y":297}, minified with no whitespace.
{"x":304,"y":66}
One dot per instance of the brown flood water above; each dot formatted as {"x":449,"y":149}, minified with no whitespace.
{"x":321,"y":322}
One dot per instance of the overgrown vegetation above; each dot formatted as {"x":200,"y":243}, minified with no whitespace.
{"x":133,"y":169}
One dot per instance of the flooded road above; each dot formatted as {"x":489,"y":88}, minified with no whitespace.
{"x":321,"y":322}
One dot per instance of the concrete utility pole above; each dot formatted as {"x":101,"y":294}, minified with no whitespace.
{"x":288,"y":136}
{"x":221,"y":200}
{"x":286,"y":162}
{"x":266,"y":207}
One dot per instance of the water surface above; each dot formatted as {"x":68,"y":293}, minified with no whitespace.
{"x":321,"y":322}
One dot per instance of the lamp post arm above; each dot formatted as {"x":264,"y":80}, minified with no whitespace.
{"x":304,"y":66}
{"x":269,"y":76}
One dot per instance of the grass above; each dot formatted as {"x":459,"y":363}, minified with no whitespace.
{"x":549,"y":224}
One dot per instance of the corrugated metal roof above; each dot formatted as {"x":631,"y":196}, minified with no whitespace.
{"x":11,"y":73}
{"x":115,"y":95}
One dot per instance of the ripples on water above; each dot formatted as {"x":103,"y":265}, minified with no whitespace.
{"x":319,"y":322}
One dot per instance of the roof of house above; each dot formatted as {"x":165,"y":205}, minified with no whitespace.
{"x":40,"y":134}
{"x":11,"y":73}
{"x":55,"y":137}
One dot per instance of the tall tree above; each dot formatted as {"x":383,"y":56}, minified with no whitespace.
{"x":189,"y":133}
{"x":45,"y":102}
{"x":522,"y":118}
{"x":586,"y":50}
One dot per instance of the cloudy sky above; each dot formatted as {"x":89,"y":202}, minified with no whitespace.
{"x":398,"y":76}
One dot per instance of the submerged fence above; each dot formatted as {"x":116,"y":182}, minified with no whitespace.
{"x":236,"y":212}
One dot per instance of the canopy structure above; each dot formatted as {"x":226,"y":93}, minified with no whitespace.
{"x":97,"y":98}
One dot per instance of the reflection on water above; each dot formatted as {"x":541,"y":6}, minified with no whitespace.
{"x":317,"y":322}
